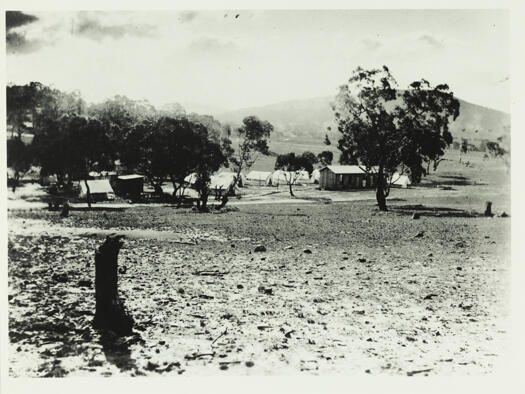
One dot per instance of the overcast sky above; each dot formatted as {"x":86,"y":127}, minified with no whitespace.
{"x":233,"y":59}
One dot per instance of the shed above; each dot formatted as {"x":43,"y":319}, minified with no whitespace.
{"x":100,"y":190}
{"x":260,"y":178}
{"x":342,"y":177}
{"x":130,"y":185}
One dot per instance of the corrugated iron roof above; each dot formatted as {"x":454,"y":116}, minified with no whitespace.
{"x":349,"y":169}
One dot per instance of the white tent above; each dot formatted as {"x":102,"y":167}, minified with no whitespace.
{"x":98,"y":188}
{"x":191,"y":179}
{"x":221,"y":181}
{"x":231,"y":175}
{"x":280,"y":177}
{"x":259,"y":177}
{"x":316,"y":174}
{"x":401,"y":180}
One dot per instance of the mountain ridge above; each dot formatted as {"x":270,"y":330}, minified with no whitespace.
{"x":309,"y":119}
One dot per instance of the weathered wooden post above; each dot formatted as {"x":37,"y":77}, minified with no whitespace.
{"x":65,"y":209}
{"x":110,"y":311}
{"x":488,"y":208}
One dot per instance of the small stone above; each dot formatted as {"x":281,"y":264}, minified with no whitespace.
{"x":60,"y":277}
{"x":249,"y":364}
{"x":260,"y":248}
{"x":307,"y":251}
{"x":240,"y":286}
{"x":84,"y":283}
{"x":415,"y":215}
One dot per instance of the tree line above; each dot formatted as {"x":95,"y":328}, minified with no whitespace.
{"x":73,"y":139}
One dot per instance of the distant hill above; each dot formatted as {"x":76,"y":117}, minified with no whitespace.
{"x":308,"y":119}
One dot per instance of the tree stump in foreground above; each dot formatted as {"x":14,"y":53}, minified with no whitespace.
{"x":110,"y":311}
{"x":65,"y":209}
{"x":488,"y":208}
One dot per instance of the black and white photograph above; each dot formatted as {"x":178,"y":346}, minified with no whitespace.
{"x":257,"y":192}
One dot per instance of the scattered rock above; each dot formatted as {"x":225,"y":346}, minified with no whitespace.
{"x":240,"y":287}
{"x":503,"y":215}
{"x":307,"y":251}
{"x":62,"y":278}
{"x":415,"y":215}
{"x":122,"y":270}
{"x":361,"y":260}
{"x":180,"y":290}
{"x":260,"y":248}
{"x":85,"y":283}
{"x":430,"y":296}
{"x":249,"y":364}
{"x":420,"y":234}
{"x":151,"y":366}
{"x":411,"y":373}
{"x":459,"y":268}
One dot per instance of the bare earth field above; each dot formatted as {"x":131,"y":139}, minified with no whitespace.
{"x":341,"y":288}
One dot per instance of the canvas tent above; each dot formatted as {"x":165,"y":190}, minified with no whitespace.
{"x":280,"y":177}
{"x":401,"y":181}
{"x":221,"y":181}
{"x":316,"y":174}
{"x":259,"y":178}
{"x":231,"y":175}
{"x":191,"y":179}
{"x":100,"y":190}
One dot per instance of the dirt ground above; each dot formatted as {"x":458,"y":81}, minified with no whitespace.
{"x":341,"y":288}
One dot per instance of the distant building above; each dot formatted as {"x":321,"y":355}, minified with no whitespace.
{"x":346,"y":177}
{"x":130,"y":186}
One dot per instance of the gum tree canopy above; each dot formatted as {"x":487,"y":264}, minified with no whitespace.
{"x":386,"y":130}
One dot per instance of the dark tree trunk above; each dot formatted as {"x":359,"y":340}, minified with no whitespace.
{"x":175,"y":189}
{"x":158,"y":189}
{"x":15,"y":182}
{"x":380,"y":191}
{"x":225,"y":198}
{"x":65,"y":209}
{"x":88,"y":193}
{"x":110,"y":311}
{"x":202,"y":203}
{"x":291,"y":191}
{"x":488,"y":208}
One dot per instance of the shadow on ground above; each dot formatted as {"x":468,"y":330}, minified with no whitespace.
{"x":423,"y":210}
